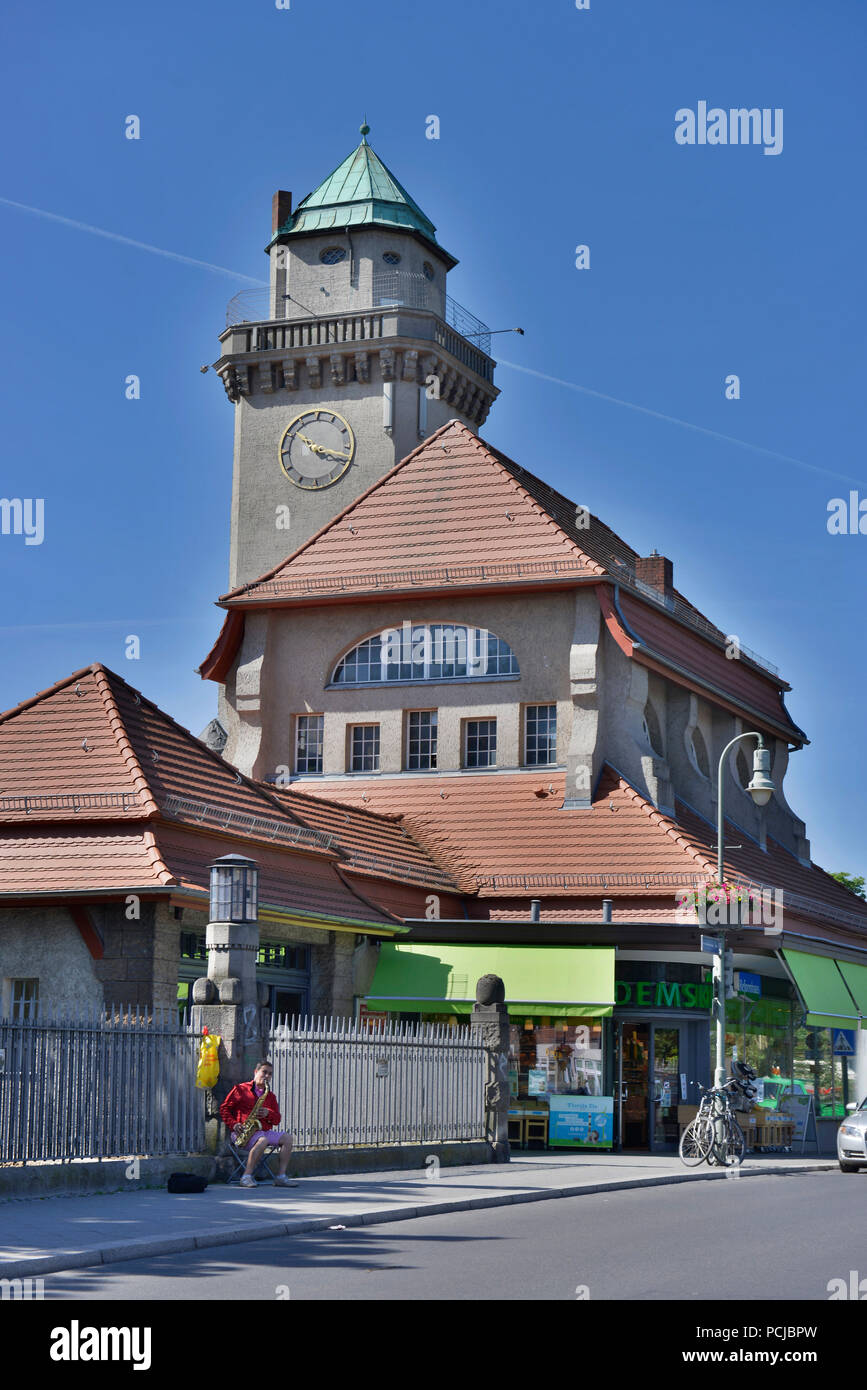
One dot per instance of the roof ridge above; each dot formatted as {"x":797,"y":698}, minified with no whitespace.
{"x":388,"y":816}
{"x":201,"y":748}
{"x":118,"y":728}
{"x":49,"y":690}
{"x":541,"y":511}
{"x":240,"y":590}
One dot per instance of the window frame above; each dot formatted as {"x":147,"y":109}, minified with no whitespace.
{"x":352,"y":730}
{"x":433,"y":725}
{"x":299,"y":771}
{"x":552,"y":762}
{"x":496,"y":649}
{"x":489,"y":720}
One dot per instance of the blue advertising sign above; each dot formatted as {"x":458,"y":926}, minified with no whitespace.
{"x":586,"y":1122}
{"x":749,"y":983}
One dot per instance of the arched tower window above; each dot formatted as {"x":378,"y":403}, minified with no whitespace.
{"x":426,"y":652}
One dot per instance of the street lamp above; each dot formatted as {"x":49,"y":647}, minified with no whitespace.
{"x":234,"y":889}
{"x":761,"y":789}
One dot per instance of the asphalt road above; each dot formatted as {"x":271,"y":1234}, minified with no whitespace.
{"x":776,"y":1237}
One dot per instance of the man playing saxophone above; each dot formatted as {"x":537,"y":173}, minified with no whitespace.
{"x":252,"y":1114}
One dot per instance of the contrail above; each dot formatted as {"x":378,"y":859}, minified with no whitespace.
{"x":529,"y":371}
{"x":684,"y":424}
{"x":128,"y":241}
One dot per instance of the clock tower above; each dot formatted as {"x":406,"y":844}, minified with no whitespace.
{"x":353,"y":356}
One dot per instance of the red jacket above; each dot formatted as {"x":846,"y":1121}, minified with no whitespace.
{"x":240,"y":1101}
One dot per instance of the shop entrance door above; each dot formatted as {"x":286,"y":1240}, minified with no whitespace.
{"x":651,"y":1063}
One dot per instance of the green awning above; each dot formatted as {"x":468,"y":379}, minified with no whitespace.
{"x":540,"y":980}
{"x":823,"y":990}
{"x":856,"y":978}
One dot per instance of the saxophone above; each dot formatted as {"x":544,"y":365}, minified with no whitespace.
{"x":241,"y":1135}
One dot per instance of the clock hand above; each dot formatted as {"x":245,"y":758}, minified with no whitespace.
{"x":319,"y":448}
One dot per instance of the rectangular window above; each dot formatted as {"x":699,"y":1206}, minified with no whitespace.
{"x":480,"y":749}
{"x":540,"y":735}
{"x":422,"y":741}
{"x":364,"y":754}
{"x":308,"y":742}
{"x":25,"y":999}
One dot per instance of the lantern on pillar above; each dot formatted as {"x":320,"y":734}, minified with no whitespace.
{"x":234,"y":889}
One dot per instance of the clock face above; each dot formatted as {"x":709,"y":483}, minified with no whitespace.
{"x":316,"y":449}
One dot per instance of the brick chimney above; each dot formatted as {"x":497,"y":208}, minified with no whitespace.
{"x":281,"y":209}
{"x":656,"y":572}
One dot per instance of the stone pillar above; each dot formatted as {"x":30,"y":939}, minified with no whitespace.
{"x":490,"y":1019}
{"x":227,"y":1003}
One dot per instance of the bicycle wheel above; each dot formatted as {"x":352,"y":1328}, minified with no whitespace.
{"x":730,"y":1153}
{"x":696,"y":1143}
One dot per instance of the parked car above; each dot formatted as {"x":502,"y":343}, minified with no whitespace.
{"x":852,"y":1140}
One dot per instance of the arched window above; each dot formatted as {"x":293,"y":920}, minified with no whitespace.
{"x":652,"y":729}
{"x":426,"y":652}
{"x":699,"y":753}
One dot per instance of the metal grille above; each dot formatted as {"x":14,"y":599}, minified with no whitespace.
{"x":341,"y":1083}
{"x":94,"y":1086}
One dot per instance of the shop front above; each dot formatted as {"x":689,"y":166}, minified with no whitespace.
{"x":661,"y":1049}
{"x":560,"y":1001}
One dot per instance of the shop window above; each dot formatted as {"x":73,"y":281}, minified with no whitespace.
{"x":553,"y":1058}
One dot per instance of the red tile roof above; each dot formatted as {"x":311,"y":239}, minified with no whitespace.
{"x":457,"y":514}
{"x":377,"y":846}
{"x":449,"y":514}
{"x":79,"y":859}
{"x":85,"y":761}
{"x":676,"y":646}
{"x":504,"y":835}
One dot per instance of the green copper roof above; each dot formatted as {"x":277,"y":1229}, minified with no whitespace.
{"x":360,"y":192}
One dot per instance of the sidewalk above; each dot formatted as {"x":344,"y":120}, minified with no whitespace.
{"x":41,"y":1235}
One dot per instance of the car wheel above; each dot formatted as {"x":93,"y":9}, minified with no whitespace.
{"x":848,"y":1167}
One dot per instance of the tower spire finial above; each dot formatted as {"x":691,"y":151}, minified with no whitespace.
{"x":365,"y":130}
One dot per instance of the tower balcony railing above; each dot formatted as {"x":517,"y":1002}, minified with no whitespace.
{"x":411,"y":299}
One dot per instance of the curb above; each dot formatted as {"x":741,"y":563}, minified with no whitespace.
{"x":145,"y":1246}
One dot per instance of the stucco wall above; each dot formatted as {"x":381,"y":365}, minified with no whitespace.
{"x":303,"y":648}
{"x":45,"y":944}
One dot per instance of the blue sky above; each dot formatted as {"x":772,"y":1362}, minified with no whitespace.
{"x":556,"y":129}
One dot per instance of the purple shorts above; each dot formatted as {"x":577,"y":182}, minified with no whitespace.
{"x":274,"y":1136}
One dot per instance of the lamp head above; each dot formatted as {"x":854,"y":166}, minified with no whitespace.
{"x":761,"y":788}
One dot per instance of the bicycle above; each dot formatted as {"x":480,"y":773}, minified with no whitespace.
{"x":701,"y":1141}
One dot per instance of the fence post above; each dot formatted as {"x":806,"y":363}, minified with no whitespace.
{"x":490,"y":1019}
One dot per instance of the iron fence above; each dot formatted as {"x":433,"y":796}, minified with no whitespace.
{"x":99,"y":1086}
{"x":341,"y":1083}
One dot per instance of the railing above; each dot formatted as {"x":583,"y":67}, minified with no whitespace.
{"x":393,"y":289}
{"x":94,"y":1086}
{"x":71,"y":801}
{"x":262,"y":827}
{"x":341,"y":1083}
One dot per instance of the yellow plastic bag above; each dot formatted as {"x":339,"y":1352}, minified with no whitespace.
{"x":209,"y":1066}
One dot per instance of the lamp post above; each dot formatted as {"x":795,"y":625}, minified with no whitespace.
{"x":226,"y":1000}
{"x":761,"y":789}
